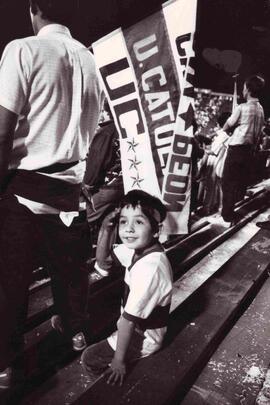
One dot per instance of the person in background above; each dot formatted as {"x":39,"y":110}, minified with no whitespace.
{"x":214,"y":167}
{"x":103,"y":183}
{"x":50,"y":100}
{"x":196,"y":155}
{"x":148,"y":286}
{"x":248,"y":120}
{"x":266,"y":223}
{"x":265,"y":144}
{"x":264,"y":154}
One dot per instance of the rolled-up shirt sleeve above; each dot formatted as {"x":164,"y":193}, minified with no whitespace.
{"x":13,"y":78}
{"x":234,"y":118}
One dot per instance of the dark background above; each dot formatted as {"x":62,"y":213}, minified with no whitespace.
{"x":239,"y":25}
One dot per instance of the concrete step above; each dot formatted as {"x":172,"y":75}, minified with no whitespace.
{"x":235,"y":372}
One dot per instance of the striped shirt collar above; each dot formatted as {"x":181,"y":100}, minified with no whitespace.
{"x":54,"y":29}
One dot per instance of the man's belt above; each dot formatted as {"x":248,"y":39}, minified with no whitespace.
{"x":44,"y":189}
{"x":57,"y":167}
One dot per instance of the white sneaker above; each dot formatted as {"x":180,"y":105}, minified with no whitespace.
{"x":219,"y":221}
{"x":225,"y":224}
{"x":78,"y":341}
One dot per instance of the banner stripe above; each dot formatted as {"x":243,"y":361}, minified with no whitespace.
{"x":180,"y":17}
{"x":149,"y":50}
{"x":121,"y":89}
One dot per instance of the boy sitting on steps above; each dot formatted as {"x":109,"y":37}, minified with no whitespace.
{"x":148,"y":286}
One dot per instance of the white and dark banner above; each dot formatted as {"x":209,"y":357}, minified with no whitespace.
{"x":147,"y":71}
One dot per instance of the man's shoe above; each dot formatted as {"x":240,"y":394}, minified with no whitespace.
{"x":57,"y":324}
{"x":264,"y":225}
{"x":226,"y":224}
{"x":78,"y":341}
{"x":6,"y":378}
{"x":219,"y":221}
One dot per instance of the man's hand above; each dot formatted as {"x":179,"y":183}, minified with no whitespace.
{"x":116,"y":372}
{"x":86,"y":192}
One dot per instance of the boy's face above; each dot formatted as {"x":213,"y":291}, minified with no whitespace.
{"x":135,"y":230}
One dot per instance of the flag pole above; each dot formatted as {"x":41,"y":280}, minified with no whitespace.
{"x":234,"y":104}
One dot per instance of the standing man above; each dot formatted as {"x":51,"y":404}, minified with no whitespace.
{"x":50,"y":100}
{"x":248,"y":120}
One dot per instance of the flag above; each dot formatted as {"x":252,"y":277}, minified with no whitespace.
{"x":147,"y":72}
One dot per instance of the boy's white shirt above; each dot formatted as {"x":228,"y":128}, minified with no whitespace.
{"x":150,"y":283}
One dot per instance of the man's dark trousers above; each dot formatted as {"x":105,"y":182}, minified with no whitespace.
{"x":27,"y":241}
{"x":235,"y":179}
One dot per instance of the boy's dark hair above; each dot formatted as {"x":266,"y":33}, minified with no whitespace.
{"x":149,"y":204}
{"x":255,"y":84}
{"x":57,"y":11}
